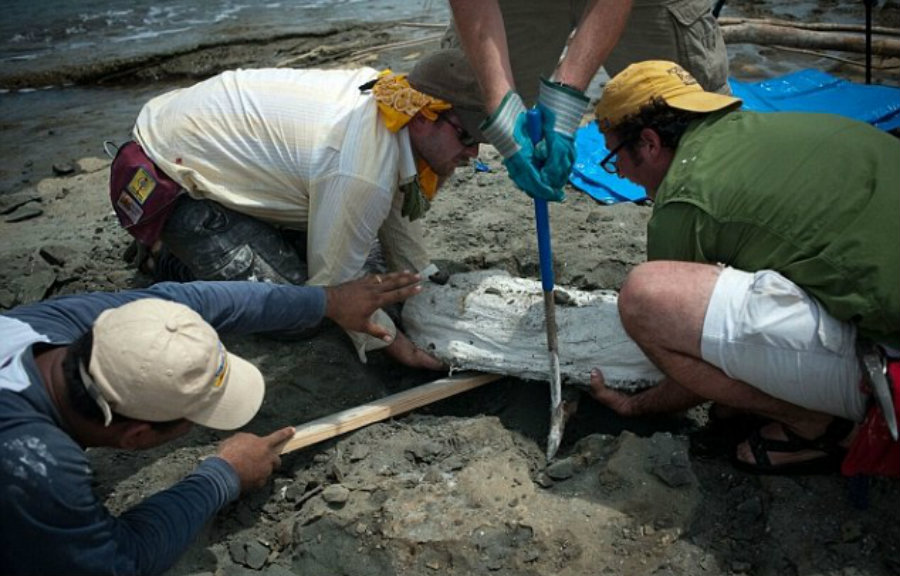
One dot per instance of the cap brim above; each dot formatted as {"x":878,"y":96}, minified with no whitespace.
{"x":702,"y":101}
{"x":244,"y":389}
{"x":471,"y":120}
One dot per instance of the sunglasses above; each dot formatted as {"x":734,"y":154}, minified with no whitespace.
{"x":610,"y":162}
{"x":466,"y":139}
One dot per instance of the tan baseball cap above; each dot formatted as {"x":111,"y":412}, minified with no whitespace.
{"x":446,"y":74}
{"x":157,"y":361}
{"x":639,"y":84}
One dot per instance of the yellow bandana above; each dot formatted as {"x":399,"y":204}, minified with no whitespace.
{"x":397,"y":103}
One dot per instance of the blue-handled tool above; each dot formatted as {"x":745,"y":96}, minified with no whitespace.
{"x":545,"y":254}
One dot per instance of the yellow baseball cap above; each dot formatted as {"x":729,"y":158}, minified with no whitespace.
{"x":157,"y":360}
{"x":642,"y":82}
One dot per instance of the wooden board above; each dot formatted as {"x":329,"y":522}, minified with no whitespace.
{"x":330,"y":426}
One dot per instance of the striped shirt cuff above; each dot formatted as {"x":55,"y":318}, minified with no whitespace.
{"x":566,"y":103}
{"x":499,"y":128}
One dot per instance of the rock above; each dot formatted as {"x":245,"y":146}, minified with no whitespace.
{"x":249,"y":553}
{"x":424,"y":451}
{"x":561,"y":469}
{"x":358,"y":452}
{"x":23,"y":213}
{"x":674,"y":474}
{"x":295,"y":491}
{"x":672,"y":464}
{"x":33,"y":286}
{"x":284,"y":532}
{"x":336,"y":495}
{"x":530,"y":554}
{"x":256,"y":555}
{"x":453,"y":463}
{"x":7,"y":298}
{"x":9,"y":202}
{"x":57,"y":254}
{"x":63,"y":169}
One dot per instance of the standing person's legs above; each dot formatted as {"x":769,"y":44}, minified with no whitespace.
{"x":683,"y":31}
{"x":536,"y":34}
{"x":216,"y":243}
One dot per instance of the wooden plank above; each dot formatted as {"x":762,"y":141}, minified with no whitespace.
{"x":347,"y":420}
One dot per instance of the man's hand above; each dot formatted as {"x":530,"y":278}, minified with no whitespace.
{"x":405,"y":352}
{"x":506,"y":130}
{"x":352,"y":304}
{"x":664,"y":397}
{"x":254,"y":458}
{"x":618,"y":401}
{"x":561,"y":110}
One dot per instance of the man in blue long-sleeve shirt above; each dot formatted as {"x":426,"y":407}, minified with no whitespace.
{"x":135,"y":370}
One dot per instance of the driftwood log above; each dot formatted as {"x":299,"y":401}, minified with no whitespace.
{"x":885,"y":41}
{"x":492,"y":322}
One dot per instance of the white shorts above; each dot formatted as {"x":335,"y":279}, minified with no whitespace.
{"x":762,"y":329}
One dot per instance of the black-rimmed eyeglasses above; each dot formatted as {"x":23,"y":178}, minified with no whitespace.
{"x":466,"y":139}
{"x":610,"y":162}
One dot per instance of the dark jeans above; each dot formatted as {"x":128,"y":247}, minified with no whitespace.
{"x":203,"y":240}
{"x":216,"y":243}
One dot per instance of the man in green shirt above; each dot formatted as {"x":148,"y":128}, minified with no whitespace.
{"x":774,"y":245}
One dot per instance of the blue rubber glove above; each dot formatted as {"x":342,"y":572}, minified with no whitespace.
{"x":562,"y":108}
{"x":506,"y":130}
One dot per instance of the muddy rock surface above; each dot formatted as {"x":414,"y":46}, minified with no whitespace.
{"x":461,"y":486}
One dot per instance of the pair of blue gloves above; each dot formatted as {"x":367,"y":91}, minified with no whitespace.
{"x":542,"y":170}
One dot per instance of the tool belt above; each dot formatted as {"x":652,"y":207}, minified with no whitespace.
{"x":875,"y":449}
{"x":142,"y":195}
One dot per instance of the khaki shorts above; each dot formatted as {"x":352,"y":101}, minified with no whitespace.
{"x":762,"y":329}
{"x":684,"y":31}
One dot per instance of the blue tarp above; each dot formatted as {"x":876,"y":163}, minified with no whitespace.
{"x":815,"y":91}
{"x":803,"y":91}
{"x":587,"y":175}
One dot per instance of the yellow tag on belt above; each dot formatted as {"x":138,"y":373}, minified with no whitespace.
{"x":142,"y":185}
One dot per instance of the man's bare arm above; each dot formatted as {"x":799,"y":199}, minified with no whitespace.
{"x":598,"y":32}
{"x":479,"y":24}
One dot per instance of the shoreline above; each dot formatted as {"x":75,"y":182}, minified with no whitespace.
{"x":204,"y":59}
{"x":60,"y":124}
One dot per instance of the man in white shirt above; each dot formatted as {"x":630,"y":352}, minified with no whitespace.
{"x":295,"y":175}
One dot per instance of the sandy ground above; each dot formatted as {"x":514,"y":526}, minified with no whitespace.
{"x":460,"y":487}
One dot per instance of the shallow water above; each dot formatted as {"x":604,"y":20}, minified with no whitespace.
{"x":46,"y":125}
{"x":51,"y":34}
